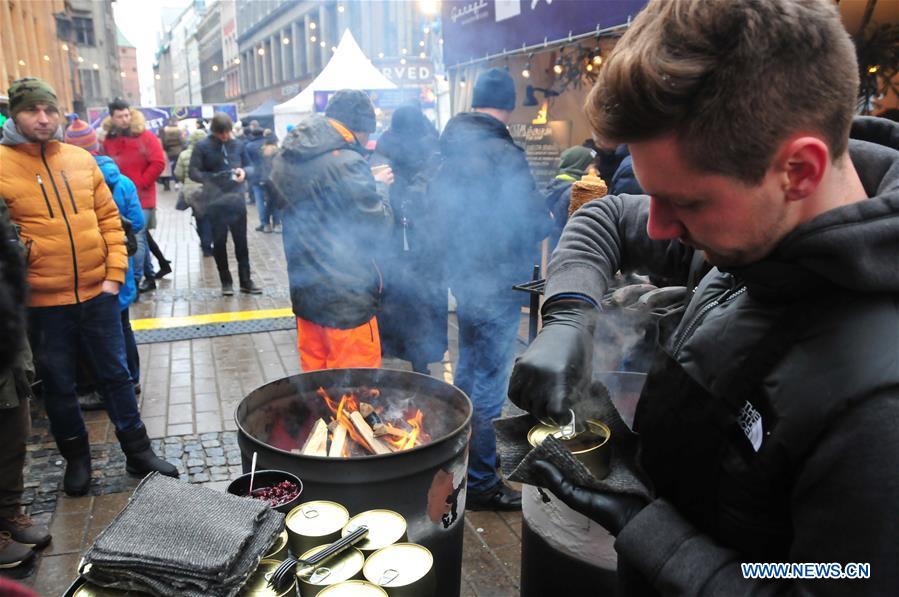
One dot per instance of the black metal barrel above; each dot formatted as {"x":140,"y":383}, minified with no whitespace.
{"x":425,"y":484}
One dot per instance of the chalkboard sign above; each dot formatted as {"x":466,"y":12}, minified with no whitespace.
{"x":542,"y":144}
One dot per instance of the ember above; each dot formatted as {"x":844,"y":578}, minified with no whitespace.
{"x":360,"y":425}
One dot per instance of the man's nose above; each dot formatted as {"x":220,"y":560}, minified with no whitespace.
{"x":662,"y":224}
{"x":42,"y":116}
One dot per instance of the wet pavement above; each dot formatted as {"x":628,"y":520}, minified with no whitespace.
{"x":190,"y":391}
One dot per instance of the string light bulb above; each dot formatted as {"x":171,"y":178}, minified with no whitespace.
{"x":422,"y":55}
{"x":340,"y":8}
{"x":285,"y":40}
{"x":597,"y":60}
{"x":312,"y":25}
{"x":557,"y":68}
{"x":526,"y":73}
{"x":313,"y":39}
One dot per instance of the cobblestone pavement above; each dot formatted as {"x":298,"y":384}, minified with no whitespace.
{"x":190,"y":391}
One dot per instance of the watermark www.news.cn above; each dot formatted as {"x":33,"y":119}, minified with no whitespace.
{"x":799,"y":570}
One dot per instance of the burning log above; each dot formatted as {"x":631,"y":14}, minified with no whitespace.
{"x":366,"y":432}
{"x":317,"y":442}
{"x":383,"y":429}
{"x":370,"y":415}
{"x":338,"y":442}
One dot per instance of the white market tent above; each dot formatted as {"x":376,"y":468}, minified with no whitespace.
{"x":348,"y":68}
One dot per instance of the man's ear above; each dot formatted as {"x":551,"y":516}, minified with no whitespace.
{"x":802,"y":162}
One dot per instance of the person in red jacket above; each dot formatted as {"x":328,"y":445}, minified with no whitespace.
{"x":139,"y":156}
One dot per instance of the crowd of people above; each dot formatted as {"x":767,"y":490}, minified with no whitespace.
{"x":771,"y":401}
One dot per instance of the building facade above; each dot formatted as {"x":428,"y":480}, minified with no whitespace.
{"x":128,"y":70}
{"x":230,"y":53}
{"x":209,"y":39}
{"x":284,"y":44}
{"x":30,"y":45}
{"x":93,"y":31}
{"x":176,"y":69}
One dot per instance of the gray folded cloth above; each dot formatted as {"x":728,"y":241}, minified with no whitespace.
{"x":517,"y":455}
{"x":176,"y":538}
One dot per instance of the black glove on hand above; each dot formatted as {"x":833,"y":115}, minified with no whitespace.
{"x":612,"y":510}
{"x":557,"y":365}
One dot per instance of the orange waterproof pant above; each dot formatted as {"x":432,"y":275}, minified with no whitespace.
{"x":331,"y":348}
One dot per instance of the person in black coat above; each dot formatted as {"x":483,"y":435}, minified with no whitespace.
{"x":413,"y":315}
{"x":492,"y":218}
{"x":219,"y":163}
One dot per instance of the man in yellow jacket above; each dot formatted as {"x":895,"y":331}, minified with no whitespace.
{"x":77,"y":260}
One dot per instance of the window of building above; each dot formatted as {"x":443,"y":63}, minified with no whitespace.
{"x":90,"y":82}
{"x":84,"y":30}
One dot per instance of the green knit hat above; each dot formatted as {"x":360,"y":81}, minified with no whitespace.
{"x":29,"y":91}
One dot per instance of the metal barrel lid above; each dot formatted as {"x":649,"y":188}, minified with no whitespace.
{"x":278,"y":549}
{"x":353,"y":588}
{"x":257,"y":585}
{"x":92,"y":590}
{"x":343,"y":566}
{"x":316,"y":519}
{"x":398,"y":565}
{"x":595,"y":435}
{"x":385,"y":527}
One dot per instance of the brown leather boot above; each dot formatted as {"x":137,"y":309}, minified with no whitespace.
{"x":13,"y":553}
{"x":24,"y":530}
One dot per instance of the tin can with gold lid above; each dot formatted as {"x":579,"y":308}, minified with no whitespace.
{"x":402,"y":569}
{"x":353,"y":588}
{"x":590,"y":446}
{"x":346,"y":565}
{"x":278,"y":550}
{"x":257,"y":585}
{"x":385,"y":527}
{"x":314,"y":523}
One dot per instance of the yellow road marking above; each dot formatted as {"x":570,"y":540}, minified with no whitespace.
{"x":191,"y":320}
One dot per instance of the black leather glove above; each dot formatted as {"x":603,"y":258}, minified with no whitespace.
{"x":612,"y":510}
{"x":557,"y":365}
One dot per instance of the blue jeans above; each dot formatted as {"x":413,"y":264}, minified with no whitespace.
{"x":143,"y":262}
{"x":268,"y":213}
{"x":487,"y":333}
{"x":57,"y":333}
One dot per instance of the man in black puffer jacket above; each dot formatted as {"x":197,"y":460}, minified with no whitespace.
{"x":768,"y":423}
{"x":220,"y":164}
{"x":335,"y":219}
{"x":493,"y":218}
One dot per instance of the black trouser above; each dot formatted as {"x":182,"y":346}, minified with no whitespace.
{"x":15,"y":425}
{"x":237,"y":224}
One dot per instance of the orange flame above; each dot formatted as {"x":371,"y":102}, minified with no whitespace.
{"x":349,"y":403}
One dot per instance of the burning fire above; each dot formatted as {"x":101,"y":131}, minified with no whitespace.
{"x":362,"y":423}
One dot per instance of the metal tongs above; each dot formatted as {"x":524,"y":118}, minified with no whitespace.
{"x":566,"y":431}
{"x":284,"y":571}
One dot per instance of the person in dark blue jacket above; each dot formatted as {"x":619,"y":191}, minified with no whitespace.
{"x":124,"y":193}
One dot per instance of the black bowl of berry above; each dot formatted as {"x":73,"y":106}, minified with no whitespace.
{"x":280,"y":489}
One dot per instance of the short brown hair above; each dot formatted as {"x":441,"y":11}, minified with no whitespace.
{"x":731,"y":79}
{"x":221,"y":123}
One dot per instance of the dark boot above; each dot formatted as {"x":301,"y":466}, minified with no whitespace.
{"x":140,"y":458}
{"x":24,"y":530}
{"x":77,"y":452}
{"x":165,"y":268}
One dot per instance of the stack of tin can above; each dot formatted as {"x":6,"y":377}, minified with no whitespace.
{"x":382,"y":564}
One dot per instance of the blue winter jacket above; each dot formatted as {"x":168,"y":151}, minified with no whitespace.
{"x":124,"y":193}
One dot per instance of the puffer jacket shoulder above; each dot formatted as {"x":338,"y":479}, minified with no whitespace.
{"x":67,"y":218}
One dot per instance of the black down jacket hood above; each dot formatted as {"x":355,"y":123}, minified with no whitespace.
{"x":335,"y":222}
